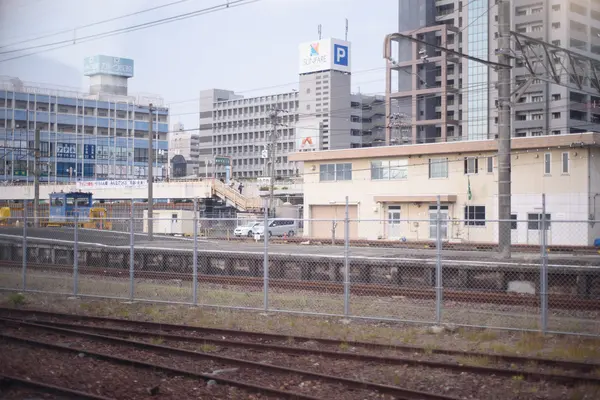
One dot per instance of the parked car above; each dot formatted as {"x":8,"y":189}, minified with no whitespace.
{"x":279,"y":227}
{"x":597,"y":242}
{"x":248,"y":229}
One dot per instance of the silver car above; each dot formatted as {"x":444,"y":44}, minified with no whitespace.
{"x":248,"y":229}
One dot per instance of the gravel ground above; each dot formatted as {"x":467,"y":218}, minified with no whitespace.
{"x":458,"y":384}
{"x":273,"y":379}
{"x":311,"y":346}
{"x":396,"y":307}
{"x":493,"y":341}
{"x":21,"y":393}
{"x":104,"y":378}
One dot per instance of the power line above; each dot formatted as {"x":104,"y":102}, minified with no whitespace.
{"x":76,"y":28}
{"x":179,"y":17}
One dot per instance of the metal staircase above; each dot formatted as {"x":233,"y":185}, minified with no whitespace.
{"x":237,"y":200}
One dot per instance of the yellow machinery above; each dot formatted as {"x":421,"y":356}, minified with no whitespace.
{"x":98,"y":219}
{"x":5,"y":216}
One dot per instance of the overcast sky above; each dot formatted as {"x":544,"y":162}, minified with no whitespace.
{"x":248,"y":49}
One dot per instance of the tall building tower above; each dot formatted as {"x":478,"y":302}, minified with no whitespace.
{"x":324,"y":120}
{"x":444,"y":98}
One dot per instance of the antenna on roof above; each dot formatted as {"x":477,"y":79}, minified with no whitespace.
{"x":346,"y":37}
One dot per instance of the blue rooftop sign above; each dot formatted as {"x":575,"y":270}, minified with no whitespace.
{"x":107,"y":65}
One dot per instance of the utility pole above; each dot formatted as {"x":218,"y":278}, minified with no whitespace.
{"x":150,"y":173}
{"x":274,"y":117}
{"x":504,"y":139}
{"x":36,"y":177}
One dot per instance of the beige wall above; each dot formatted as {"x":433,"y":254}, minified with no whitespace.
{"x":566,"y":194}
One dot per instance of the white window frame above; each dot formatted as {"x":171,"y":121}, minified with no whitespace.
{"x":547,"y":163}
{"x":568,"y":163}
{"x":490,"y":165}
{"x":442,"y":161}
{"x":471,"y":166}
{"x":391,"y":170}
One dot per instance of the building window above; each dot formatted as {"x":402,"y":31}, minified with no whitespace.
{"x":335,"y":172}
{"x":555,"y":115}
{"x":438,"y":168}
{"x":513,"y":221}
{"x":534,"y":221}
{"x":547,"y":163}
{"x":490,"y":165}
{"x":475,"y":215}
{"x":389,"y":169}
{"x":471,"y":165}
{"x":565,"y":163}
{"x":536,"y":116}
{"x":556,"y":97}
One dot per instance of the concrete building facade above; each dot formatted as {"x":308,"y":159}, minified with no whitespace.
{"x":239,"y":127}
{"x":444,"y":98}
{"x":393,"y":190}
{"x":102,"y":134}
{"x":185,"y":145}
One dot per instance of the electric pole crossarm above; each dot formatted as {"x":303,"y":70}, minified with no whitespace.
{"x":396,"y":36}
{"x":577,"y":67}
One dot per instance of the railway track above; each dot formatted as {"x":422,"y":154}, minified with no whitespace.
{"x":337,"y":357}
{"x":15,"y":387}
{"x":246,"y":373}
{"x":555,"y":301}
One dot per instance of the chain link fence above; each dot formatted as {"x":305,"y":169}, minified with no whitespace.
{"x":426,"y":269}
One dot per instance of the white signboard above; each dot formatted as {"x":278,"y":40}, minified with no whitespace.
{"x":324,"y":55}
{"x":112,"y":184}
{"x":307,"y":139}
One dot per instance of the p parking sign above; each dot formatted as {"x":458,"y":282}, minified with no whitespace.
{"x":340,"y":55}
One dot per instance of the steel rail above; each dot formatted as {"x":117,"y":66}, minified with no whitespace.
{"x":162,"y":328}
{"x":48,"y":388}
{"x":358,"y":289}
{"x":399,"y":392}
{"x":481,"y":370}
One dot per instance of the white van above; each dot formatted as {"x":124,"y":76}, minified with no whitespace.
{"x":279,"y":227}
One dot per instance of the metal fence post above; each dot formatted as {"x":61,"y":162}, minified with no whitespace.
{"x":195,"y":256}
{"x":544,"y":269}
{"x":75,"y":253}
{"x":266,"y":256}
{"x":24,"y":244}
{"x":131,"y":251}
{"x":438,"y":264}
{"x":347,"y":259}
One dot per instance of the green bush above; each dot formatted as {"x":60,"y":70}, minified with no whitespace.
{"x":263,"y":188}
{"x":16,"y":299}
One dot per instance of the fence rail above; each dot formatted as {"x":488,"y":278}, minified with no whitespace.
{"x":418,"y":270}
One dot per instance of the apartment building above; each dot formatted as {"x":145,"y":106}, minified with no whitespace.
{"x":102,"y":134}
{"x":546,"y":108}
{"x":240,"y":129}
{"x":445,"y":98}
{"x":392,"y":190}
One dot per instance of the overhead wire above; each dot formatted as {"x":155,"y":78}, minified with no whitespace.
{"x":79,"y":27}
{"x":66,"y":43}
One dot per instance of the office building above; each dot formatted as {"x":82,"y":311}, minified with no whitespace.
{"x":323,"y":114}
{"x":444,"y":98}
{"x":239,"y":128}
{"x":101,"y":134}
{"x":331,"y":116}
